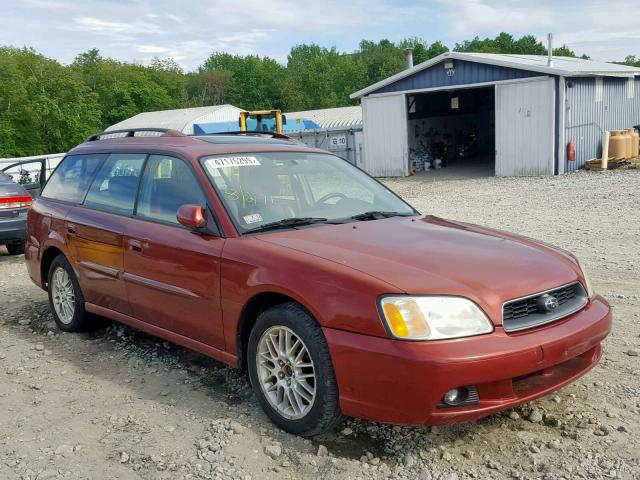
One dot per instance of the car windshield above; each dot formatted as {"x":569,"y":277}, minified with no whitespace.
{"x":260,"y":189}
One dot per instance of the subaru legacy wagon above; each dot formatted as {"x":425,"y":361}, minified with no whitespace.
{"x":334,"y":294}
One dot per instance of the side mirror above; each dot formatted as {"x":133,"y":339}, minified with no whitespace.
{"x":191,"y":216}
{"x":284,"y":119}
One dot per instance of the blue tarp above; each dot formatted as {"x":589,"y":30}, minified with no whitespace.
{"x":293,"y":125}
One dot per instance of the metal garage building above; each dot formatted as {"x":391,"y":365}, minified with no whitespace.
{"x":517,"y":113}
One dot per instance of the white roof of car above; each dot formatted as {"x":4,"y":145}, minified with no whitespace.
{"x":562,"y":66}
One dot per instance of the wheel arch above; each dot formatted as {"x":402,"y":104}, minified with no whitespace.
{"x":45,"y":263}
{"x":250,"y":313}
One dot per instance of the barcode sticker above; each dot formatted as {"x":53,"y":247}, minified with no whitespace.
{"x":253,"y":218}
{"x":222,"y":162}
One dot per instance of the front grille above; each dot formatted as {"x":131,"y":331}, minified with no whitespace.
{"x":530,"y":311}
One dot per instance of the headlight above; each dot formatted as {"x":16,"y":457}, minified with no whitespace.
{"x":433,"y":318}
{"x":587,"y":280}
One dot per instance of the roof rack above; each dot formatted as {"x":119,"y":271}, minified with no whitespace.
{"x":248,"y":132}
{"x":131,"y":132}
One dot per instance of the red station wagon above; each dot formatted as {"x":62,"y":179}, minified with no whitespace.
{"x":337,"y":296}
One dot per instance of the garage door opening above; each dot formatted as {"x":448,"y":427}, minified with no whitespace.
{"x":452,"y":133}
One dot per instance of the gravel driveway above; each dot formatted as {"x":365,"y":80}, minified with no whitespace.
{"x":120,"y":404}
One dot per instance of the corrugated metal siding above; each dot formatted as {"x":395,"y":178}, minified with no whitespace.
{"x":525,"y":113}
{"x":385,"y":136}
{"x":343,"y":142}
{"x":465,"y":73}
{"x":587,"y":119}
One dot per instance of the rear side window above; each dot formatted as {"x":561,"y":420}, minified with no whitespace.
{"x":114,"y":187}
{"x":167,"y":184}
{"x":70,"y":181}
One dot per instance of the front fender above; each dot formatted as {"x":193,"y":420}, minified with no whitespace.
{"x":336,"y":295}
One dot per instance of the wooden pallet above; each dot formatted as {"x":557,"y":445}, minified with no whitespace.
{"x":630,"y":163}
{"x":634,"y":163}
{"x":596,"y":163}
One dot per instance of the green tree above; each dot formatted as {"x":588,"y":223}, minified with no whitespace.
{"x":255,"y":82}
{"x":383,"y":59}
{"x":45,"y":107}
{"x":318,"y":77}
{"x":422,"y":51}
{"x":506,"y":43}
{"x":631,"y":61}
{"x":209,"y":87}
{"x":565,"y":51}
{"x":126,"y":89}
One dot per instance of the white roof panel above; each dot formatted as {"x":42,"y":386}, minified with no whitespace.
{"x":562,"y":66}
{"x":181,"y":119}
{"x":345,"y":117}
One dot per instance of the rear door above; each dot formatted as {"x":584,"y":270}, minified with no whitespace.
{"x":172,"y":275}
{"x":96,"y":231}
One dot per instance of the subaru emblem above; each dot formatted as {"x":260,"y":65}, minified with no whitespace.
{"x":548,"y":302}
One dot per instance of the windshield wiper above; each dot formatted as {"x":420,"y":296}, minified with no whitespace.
{"x":287,"y":223}
{"x":376,"y":215}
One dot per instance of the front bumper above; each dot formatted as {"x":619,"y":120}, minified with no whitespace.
{"x":401,"y":382}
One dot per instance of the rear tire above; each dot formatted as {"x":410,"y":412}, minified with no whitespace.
{"x":291,"y":372}
{"x":65,"y":297}
{"x":16,"y":248}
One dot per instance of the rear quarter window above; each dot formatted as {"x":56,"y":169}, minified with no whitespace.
{"x":71,"y":180}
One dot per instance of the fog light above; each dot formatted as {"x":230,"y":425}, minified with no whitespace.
{"x":456,"y":396}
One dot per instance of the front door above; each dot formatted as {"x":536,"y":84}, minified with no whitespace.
{"x":172,"y":275}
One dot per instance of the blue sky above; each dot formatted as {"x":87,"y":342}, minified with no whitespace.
{"x":189,"y":31}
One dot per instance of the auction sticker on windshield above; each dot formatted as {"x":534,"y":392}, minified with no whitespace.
{"x":223,"y":162}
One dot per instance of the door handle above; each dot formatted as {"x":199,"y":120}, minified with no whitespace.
{"x":71,"y":228}
{"x":135,"y":245}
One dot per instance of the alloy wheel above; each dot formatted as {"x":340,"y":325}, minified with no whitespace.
{"x":63,"y":296}
{"x":286,"y":372}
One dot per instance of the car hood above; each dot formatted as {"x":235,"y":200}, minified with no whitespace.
{"x":430,"y":255}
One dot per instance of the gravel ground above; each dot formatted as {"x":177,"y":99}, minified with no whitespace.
{"x":120,"y":404}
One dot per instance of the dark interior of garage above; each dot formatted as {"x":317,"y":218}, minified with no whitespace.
{"x":452,"y":132}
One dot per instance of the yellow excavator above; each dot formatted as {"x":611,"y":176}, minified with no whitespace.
{"x":269,"y":121}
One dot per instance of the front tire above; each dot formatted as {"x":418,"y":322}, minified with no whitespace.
{"x":65,"y":297}
{"x":291,"y":371}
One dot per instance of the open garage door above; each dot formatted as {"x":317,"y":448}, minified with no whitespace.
{"x":452,"y":133}
{"x":525,"y":128}
{"x":385,"y":136}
